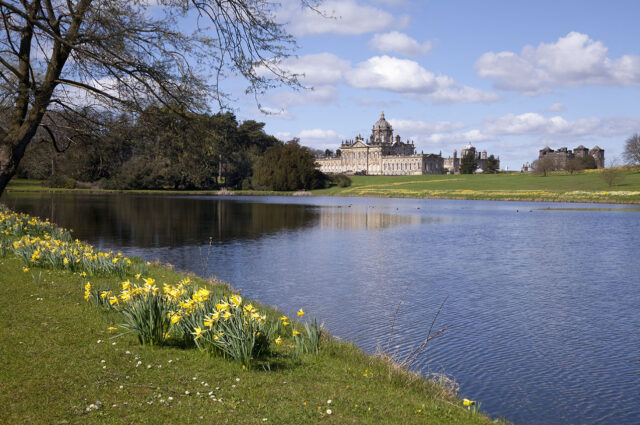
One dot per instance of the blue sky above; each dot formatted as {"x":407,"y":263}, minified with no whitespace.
{"x":508,"y":76}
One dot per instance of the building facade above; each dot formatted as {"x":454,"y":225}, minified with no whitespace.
{"x":562,"y":156}
{"x":384,"y":155}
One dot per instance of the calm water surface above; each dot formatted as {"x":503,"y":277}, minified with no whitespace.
{"x":543,"y":307}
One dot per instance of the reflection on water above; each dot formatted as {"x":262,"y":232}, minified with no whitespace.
{"x":149,"y":221}
{"x":364,"y":217}
{"x":543,"y":305}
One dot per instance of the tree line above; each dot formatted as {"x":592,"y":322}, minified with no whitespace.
{"x":159,"y":149}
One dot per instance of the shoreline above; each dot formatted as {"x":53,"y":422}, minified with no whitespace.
{"x":223,"y":193}
{"x":105,"y":383}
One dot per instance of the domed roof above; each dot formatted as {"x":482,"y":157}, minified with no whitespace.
{"x":469,"y":146}
{"x":382,"y":124}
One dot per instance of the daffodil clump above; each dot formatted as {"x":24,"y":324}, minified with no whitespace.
{"x":233,"y":328}
{"x":18,"y":225}
{"x":74,"y":256}
{"x":40,"y":243}
{"x":213,"y":322}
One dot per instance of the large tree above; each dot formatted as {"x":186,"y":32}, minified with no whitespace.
{"x":127,"y":54}
{"x":632,"y":149}
{"x":468,"y":163}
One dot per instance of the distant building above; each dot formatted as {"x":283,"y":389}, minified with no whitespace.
{"x":452,"y":163}
{"x":563,"y":155}
{"x":381,"y":154}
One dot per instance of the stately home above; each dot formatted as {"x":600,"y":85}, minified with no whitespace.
{"x":381,"y":154}
{"x":563,"y":155}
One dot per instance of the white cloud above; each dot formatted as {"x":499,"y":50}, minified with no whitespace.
{"x":556,"y":107}
{"x":320,"y":68}
{"x":410,"y":78}
{"x":532,"y":123}
{"x":318,"y":95}
{"x":454,"y":139}
{"x":411,"y":126}
{"x":397,"y":42}
{"x":336,"y":17}
{"x":389,"y":73}
{"x":533,"y":128}
{"x":317,"y":73}
{"x":573,"y":60}
{"x":316,"y":138}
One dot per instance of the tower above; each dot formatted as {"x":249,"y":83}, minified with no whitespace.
{"x":382,"y":132}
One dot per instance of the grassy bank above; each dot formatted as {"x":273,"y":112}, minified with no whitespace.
{"x":557,"y":187}
{"x":586,"y":186}
{"x":63,"y":359}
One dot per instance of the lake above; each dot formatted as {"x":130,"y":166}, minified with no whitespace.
{"x":543,"y":306}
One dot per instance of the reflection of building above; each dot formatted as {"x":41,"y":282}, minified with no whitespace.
{"x":561,"y":156}
{"x":363,"y":218}
{"x":381,"y":154}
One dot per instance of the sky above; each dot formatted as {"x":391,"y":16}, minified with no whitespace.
{"x":509,"y":77}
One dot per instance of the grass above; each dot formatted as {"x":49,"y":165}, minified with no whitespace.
{"x":586,"y":186}
{"x":564,"y":187}
{"x":57,"y":359}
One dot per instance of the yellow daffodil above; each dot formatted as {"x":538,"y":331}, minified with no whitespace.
{"x":25,"y":269}
{"x":467,"y":402}
{"x":222,"y":306}
{"x":204,"y":293}
{"x":197,"y":332}
{"x":113,"y":300}
{"x":236,"y":300}
{"x":105,"y":294}
{"x":226,"y":315}
{"x":137,"y":275}
{"x":112,"y":328}
{"x":296,"y":333}
{"x":125,"y":296}
{"x":301,"y":313}
{"x":209,"y":321}
{"x":278,"y":340}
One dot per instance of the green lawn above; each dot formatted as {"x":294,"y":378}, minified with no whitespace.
{"x":587,"y":186}
{"x":57,"y":358}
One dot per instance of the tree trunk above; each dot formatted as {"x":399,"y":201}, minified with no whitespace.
{"x":9,"y":159}
{"x":12,"y":147}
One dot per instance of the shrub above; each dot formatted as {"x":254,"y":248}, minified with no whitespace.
{"x":340,"y":180}
{"x":59,"y":181}
{"x":288,"y":167}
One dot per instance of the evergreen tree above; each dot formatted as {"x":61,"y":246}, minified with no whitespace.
{"x":469,"y":163}
{"x":492,"y":165}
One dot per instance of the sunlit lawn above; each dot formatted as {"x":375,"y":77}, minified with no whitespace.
{"x":57,"y":358}
{"x":587,"y":186}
